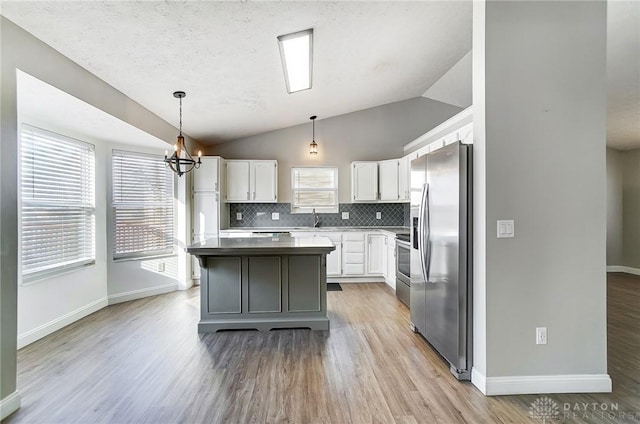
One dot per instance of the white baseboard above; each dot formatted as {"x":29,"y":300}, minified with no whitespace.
{"x":626,"y":269}
{"x":479,"y":380}
{"x":9,"y":404}
{"x":37,"y":333}
{"x":539,"y":384}
{"x":355,"y":280}
{"x":185,"y":285}
{"x":139,"y":294}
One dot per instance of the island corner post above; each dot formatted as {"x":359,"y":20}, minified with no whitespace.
{"x":263,"y":283}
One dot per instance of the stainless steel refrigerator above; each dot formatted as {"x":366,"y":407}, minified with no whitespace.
{"x":441,"y":259}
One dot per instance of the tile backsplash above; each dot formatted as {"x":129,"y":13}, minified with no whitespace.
{"x":360,"y":215}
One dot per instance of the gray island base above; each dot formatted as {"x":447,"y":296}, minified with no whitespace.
{"x":263,"y":283}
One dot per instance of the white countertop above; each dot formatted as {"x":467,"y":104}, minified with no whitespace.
{"x":395,"y":230}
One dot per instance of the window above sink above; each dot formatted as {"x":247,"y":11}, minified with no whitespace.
{"x":314,"y":188}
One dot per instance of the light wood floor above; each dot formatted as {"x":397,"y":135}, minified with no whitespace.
{"x":143,"y":361}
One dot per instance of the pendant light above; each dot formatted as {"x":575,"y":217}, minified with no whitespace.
{"x":181,"y":161}
{"x":313,"y":147}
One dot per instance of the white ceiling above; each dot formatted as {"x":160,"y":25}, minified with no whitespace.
{"x":455,"y":86}
{"x":225,"y":55}
{"x":42,"y":104}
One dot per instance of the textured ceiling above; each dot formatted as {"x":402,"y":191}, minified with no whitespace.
{"x":225,"y":55}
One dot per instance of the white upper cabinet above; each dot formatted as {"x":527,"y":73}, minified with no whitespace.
{"x":384,"y":181}
{"x":264,"y":180}
{"x":388,"y":172}
{"x":237,"y":180}
{"x":364,"y":181}
{"x":206,"y":178}
{"x":251,"y":181}
{"x":404,"y":168}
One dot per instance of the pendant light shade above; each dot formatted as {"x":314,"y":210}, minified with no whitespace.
{"x":181,"y":161}
{"x":313,"y":147}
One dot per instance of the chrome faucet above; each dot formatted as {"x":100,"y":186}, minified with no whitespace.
{"x":316,"y":219}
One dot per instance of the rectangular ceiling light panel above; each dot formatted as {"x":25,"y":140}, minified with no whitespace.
{"x":296,"y":53}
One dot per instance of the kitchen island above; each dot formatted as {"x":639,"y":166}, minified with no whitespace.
{"x":263,"y":283}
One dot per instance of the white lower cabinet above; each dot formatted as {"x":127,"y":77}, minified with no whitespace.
{"x":358,"y":254}
{"x":334,"y":259}
{"x":376,"y":254}
{"x":353,"y":254}
{"x":390,"y":276}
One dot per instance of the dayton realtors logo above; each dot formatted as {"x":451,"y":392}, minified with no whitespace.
{"x":544,"y":409}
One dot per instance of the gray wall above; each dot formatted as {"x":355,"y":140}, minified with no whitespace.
{"x":543,"y":117}
{"x":20,"y":50}
{"x":631,"y":209}
{"x":614,"y":206}
{"x":371,"y":134}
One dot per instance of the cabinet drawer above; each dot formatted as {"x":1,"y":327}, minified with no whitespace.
{"x":352,"y":236}
{"x":354,"y":246}
{"x":336,"y":238}
{"x":354,"y":269}
{"x":353,"y":258}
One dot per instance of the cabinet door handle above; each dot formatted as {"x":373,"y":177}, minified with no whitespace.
{"x":254,"y":195}
{"x":248,"y":198}
{"x":216,"y":186}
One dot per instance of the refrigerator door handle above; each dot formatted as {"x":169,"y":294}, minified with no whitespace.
{"x":427,"y":236}
{"x":421,"y":230}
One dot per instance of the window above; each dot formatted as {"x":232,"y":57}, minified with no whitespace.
{"x":142,"y":206}
{"x":314,"y":188}
{"x":57,"y":203}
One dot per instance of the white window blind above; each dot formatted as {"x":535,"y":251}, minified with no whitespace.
{"x":142,"y":205}
{"x":57,"y":203}
{"x":314,"y":188}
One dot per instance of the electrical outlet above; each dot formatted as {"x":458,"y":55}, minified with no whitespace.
{"x":275,"y":216}
{"x":345,"y":215}
{"x":238,"y":216}
{"x":541,"y":335}
{"x":378,"y":215}
{"x":160,"y":266}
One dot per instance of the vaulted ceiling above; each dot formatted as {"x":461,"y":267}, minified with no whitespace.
{"x":225,"y":56}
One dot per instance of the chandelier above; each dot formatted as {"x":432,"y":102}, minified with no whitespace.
{"x":181,"y":161}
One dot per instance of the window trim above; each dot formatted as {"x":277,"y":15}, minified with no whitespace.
{"x":317,"y":209}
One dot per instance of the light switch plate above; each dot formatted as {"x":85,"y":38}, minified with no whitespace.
{"x":345,"y":215}
{"x":238,"y":216}
{"x":506,"y":228}
{"x":275,"y":216}
{"x":378,"y":215}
